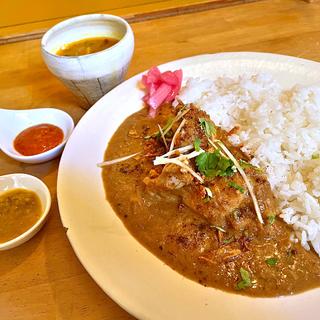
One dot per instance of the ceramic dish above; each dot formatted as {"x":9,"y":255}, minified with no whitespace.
{"x":124,"y":269}
{"x":12,"y":122}
{"x":26,"y":181}
{"x":92,"y":75}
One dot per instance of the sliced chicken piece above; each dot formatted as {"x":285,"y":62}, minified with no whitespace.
{"x":171,"y":178}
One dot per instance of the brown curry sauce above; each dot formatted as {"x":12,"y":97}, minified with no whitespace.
{"x":38,"y":139}
{"x":187,"y":241}
{"x":86,"y":46}
{"x":20,"y":209}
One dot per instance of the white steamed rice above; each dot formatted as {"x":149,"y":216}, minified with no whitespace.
{"x":282,"y":130}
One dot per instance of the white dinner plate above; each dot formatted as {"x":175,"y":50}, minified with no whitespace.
{"x":132,"y":276}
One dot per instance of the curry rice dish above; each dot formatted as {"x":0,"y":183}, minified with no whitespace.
{"x":194,"y":201}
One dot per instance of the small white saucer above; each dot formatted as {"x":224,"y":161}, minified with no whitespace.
{"x":25,"y":181}
{"x":12,"y":122}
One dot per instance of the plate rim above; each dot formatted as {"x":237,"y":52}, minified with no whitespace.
{"x":183,"y":61}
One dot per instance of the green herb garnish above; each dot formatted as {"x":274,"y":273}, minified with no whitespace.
{"x":164,"y":129}
{"x":246,"y":281}
{"x":236,"y":186}
{"x":272,"y":261}
{"x":227,"y":241}
{"x":246,"y":165}
{"x":315,"y":156}
{"x":214,"y":164}
{"x":271,"y":218}
{"x":208,"y":127}
{"x":168,"y":124}
{"x":196,"y":144}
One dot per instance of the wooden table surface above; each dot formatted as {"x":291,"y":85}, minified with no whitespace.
{"x":43,"y":278}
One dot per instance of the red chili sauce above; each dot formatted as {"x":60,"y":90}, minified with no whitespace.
{"x":38,"y":139}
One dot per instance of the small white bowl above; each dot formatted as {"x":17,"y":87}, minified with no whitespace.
{"x":12,"y":122}
{"x":89,"y":76}
{"x":25,"y":181}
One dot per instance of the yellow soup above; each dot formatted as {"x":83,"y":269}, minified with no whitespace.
{"x":86,"y":46}
{"x":19,"y":210}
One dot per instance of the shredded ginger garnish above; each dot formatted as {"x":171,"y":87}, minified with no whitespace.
{"x":177,"y":151}
{"x":163,"y":137}
{"x":208,"y":192}
{"x":179,"y":115}
{"x":180,"y":160}
{"x":243,"y":174}
{"x":114,"y":161}
{"x":176,"y":134}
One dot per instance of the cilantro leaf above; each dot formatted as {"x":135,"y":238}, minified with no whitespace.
{"x":196,"y":144}
{"x":214,"y":164}
{"x":246,"y":281}
{"x":246,"y":165}
{"x":206,"y":163}
{"x":208,"y":127}
{"x":272,"y":261}
{"x":271,"y":218}
{"x":236,"y":186}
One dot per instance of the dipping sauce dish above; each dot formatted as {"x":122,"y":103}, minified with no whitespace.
{"x":13,"y":122}
{"x":17,"y":183}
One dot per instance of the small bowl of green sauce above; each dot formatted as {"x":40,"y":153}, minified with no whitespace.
{"x":24,"y":206}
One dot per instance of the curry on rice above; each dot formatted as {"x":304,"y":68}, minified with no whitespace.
{"x":196,"y":202}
